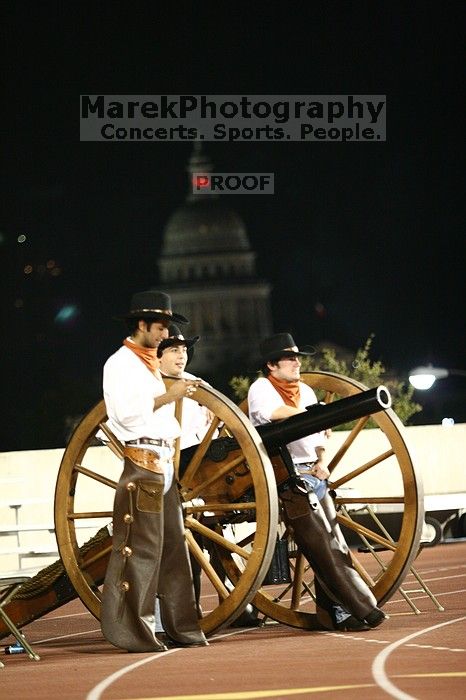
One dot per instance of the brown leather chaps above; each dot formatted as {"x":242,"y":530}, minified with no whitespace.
{"x":149,"y":559}
{"x":318,"y":536}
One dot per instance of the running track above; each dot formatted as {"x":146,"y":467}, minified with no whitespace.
{"x":410,"y":656}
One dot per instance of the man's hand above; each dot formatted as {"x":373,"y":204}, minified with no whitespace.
{"x":180,"y":389}
{"x":320,"y":470}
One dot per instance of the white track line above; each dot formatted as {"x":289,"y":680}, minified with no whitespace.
{"x":62,"y":617}
{"x":96,"y":692}
{"x":98,"y":689}
{"x":378,"y":665}
{"x":67,"y":636}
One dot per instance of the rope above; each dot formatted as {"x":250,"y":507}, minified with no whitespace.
{"x":44,"y":579}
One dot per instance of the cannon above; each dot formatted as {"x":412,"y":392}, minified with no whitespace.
{"x":322,"y":416}
{"x":228,"y":485}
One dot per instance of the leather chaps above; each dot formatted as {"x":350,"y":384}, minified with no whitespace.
{"x":149,"y":559}
{"x":318,"y":536}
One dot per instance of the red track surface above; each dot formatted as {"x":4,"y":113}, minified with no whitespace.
{"x":410,"y":656}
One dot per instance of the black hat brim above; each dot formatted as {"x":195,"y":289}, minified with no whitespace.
{"x":169,"y":342}
{"x":175,"y":318}
{"x":307,"y":351}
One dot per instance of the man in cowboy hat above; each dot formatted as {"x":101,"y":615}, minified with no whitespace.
{"x":343,"y":600}
{"x":149,"y":556}
{"x":175,"y":353}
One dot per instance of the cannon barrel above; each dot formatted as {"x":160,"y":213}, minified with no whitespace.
{"x":323,"y":416}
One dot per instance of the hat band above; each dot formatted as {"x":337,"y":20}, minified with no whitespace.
{"x":169,"y":312}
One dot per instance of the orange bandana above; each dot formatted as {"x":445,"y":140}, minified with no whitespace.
{"x":289,"y":391}
{"x":146,"y":355}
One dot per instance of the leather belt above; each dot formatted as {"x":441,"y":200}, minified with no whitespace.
{"x":146,"y":459}
{"x":151,"y":441}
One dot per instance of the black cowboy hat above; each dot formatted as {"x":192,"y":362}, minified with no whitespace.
{"x":153,"y":304}
{"x":281,"y":345}
{"x":177,"y":338}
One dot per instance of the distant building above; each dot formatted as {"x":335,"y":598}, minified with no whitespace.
{"x":208,"y":268}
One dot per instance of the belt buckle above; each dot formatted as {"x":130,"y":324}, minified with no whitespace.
{"x":158,"y":442}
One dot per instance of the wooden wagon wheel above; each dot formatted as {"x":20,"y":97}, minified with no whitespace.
{"x":84,"y":495}
{"x":372,"y":473}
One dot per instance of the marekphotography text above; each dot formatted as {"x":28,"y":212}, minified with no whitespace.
{"x":317,"y":118}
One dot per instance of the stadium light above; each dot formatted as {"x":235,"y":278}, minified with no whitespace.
{"x":424,"y":377}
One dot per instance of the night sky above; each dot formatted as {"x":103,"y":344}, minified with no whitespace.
{"x":370,"y":233}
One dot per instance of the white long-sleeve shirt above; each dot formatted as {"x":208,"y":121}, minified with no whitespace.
{"x":130,"y":389}
{"x":264,"y":399}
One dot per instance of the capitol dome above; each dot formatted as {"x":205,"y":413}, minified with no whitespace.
{"x":204,"y":225}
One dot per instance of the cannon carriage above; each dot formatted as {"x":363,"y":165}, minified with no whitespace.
{"x":228,"y":485}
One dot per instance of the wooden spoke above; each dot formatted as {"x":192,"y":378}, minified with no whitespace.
{"x":367,"y":532}
{"x":113,"y":443}
{"x":103,"y":554}
{"x":212,"y":575}
{"x":340,"y":500}
{"x":362,"y":571}
{"x":199,"y":454}
{"x":93,"y":514}
{"x":348,"y":442}
{"x":219,"y":507}
{"x":360,"y":470}
{"x":213,"y":536}
{"x":97,"y":477}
